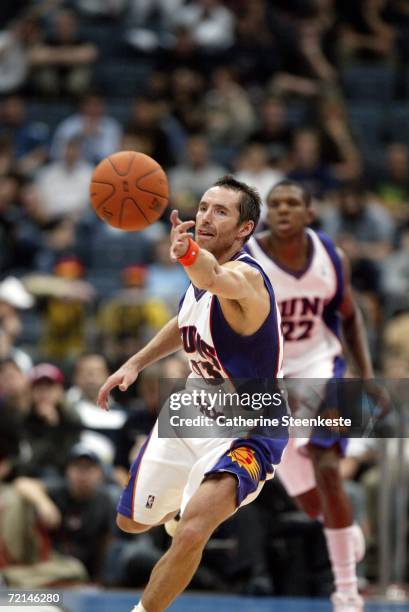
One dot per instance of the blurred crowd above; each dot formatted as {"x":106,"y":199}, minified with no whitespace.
{"x":313,"y":90}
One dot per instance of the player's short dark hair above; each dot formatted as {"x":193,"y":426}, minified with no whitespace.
{"x":305,"y":194}
{"x":250,"y":201}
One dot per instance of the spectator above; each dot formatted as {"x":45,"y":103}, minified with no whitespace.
{"x":210,"y":22}
{"x":14,"y":297}
{"x":51,"y":427}
{"x":189,"y":179}
{"x":58,"y":242}
{"x":130,"y":317}
{"x":151,"y":22}
{"x":187,"y":91}
{"x":395,"y":275}
{"x":316,"y":32}
{"x":363,"y":228}
{"x":184,"y":52}
{"x":273,"y":130}
{"x":64,"y":184}
{"x":364,"y":231}
{"x":90,"y":372}
{"x":255,"y":49}
{"x":61,"y":63}
{"x":15,"y":43}
{"x":87,"y":511}
{"x":338,"y":147}
{"x":396,"y":354}
{"x":392,"y":180}
{"x":7,"y":159}
{"x":165,"y":281}
{"x":229,"y":112}
{"x":293,"y":73}
{"x":27,"y":237}
{"x":254,"y":169}
{"x":307,"y":165}
{"x":100,"y":133}
{"x":9,"y":216}
{"x":29,"y":138}
{"x":14,"y":408}
{"x":63,"y":301}
{"x":26,"y":559}
{"x":144,"y":122}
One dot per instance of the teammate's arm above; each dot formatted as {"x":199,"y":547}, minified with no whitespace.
{"x":164,"y":343}
{"x":232,"y":280}
{"x":354,"y":332}
{"x":353,"y":326}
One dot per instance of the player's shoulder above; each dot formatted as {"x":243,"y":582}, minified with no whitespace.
{"x":247,"y":265}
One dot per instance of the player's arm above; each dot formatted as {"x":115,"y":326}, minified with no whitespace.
{"x":164,"y":343}
{"x":354,"y":332}
{"x":353,"y":326}
{"x":232,"y":280}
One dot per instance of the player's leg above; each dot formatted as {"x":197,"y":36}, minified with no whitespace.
{"x":226,"y":476}
{"x":156,"y":482}
{"x":316,"y":487}
{"x":212,"y":504}
{"x":341,"y":534}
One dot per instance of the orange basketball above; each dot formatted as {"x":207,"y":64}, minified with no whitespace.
{"x":129,"y":190}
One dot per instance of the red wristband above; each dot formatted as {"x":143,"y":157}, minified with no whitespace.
{"x":191,"y":254}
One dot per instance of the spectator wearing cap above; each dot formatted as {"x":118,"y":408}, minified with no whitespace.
{"x":51,"y":428}
{"x":87,"y":510}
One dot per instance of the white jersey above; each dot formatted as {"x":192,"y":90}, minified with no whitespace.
{"x":215,"y":351}
{"x":308,"y":302}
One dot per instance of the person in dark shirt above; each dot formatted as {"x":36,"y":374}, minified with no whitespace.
{"x":87,"y":511}
{"x":51,"y":428}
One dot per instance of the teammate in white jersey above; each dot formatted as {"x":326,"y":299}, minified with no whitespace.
{"x":310,"y":278}
{"x":228,"y":326}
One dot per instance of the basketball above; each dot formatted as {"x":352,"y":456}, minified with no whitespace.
{"x":129,"y":190}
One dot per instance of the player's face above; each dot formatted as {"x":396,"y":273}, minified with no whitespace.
{"x":287,"y":213}
{"x":217,"y":220}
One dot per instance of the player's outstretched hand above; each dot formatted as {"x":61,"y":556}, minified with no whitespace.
{"x":179,"y":236}
{"x":122,"y":378}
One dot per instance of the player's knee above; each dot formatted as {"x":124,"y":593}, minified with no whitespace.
{"x":191,"y":535}
{"x":129,"y":526}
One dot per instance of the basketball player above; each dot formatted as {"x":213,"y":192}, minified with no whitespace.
{"x":227,"y":324}
{"x":311,"y":281}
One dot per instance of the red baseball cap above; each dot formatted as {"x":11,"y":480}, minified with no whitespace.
{"x":46,"y":371}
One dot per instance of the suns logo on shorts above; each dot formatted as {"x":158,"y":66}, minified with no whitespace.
{"x":245,"y":458}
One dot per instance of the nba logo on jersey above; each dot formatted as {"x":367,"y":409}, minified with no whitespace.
{"x":149,"y":501}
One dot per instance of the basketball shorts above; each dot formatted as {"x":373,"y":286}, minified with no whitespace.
{"x":168,"y":471}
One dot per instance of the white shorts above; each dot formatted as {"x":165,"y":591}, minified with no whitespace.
{"x":296,"y":471}
{"x":168,"y":471}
